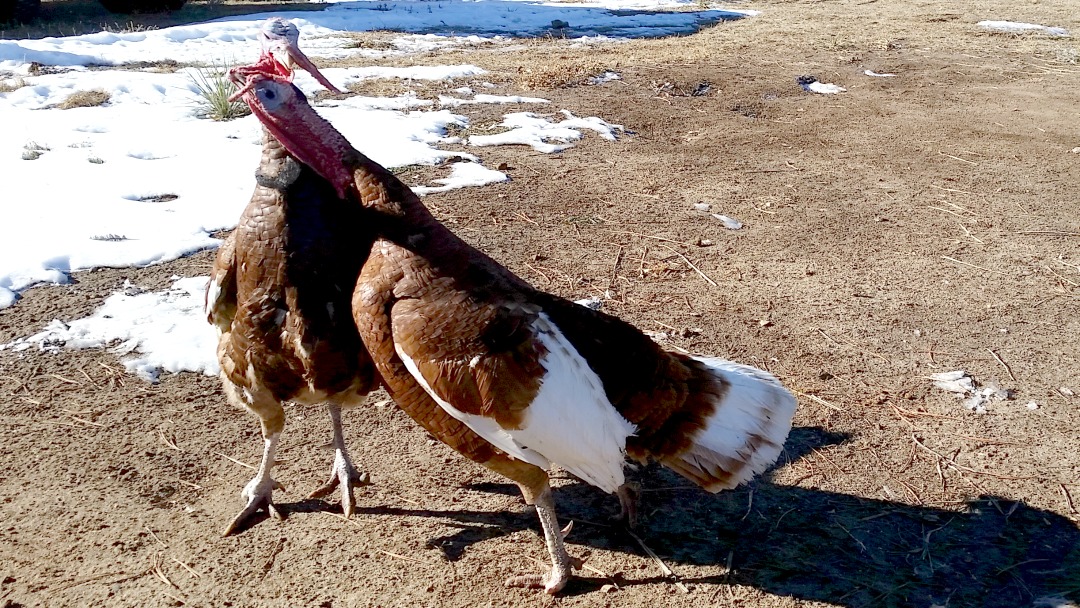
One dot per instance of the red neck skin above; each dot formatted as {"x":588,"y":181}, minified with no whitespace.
{"x":310,"y":138}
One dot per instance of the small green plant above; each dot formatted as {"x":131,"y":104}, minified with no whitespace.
{"x":214,"y":89}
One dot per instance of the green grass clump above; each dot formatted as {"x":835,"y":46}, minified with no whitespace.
{"x":214,"y":89}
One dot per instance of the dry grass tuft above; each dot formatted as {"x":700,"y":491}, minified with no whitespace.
{"x":562,"y":73}
{"x":85,"y":99}
{"x":7,"y":86}
{"x":33,"y":150}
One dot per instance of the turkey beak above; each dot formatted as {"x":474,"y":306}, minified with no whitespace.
{"x":298,"y":57}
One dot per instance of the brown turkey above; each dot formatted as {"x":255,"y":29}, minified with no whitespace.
{"x":544,"y":380}
{"x":279,"y":295}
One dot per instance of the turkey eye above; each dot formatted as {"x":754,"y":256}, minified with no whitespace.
{"x":270,"y":97}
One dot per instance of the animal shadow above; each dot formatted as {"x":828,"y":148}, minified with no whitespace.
{"x":815,"y":545}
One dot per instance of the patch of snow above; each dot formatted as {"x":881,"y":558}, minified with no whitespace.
{"x":605,"y":77}
{"x":166,"y":330}
{"x":964,"y":386}
{"x":463,"y":175}
{"x":530,"y":129}
{"x":876,"y":75}
{"x":1018,"y":27}
{"x":449,"y":102}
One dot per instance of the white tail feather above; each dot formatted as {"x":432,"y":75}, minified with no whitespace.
{"x":745,"y":433}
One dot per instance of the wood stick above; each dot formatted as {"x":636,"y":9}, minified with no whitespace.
{"x":241,"y":463}
{"x":1003,"y":364}
{"x":817,"y":400}
{"x":971,"y":265}
{"x":952,"y":463}
{"x":659,"y":562}
{"x":649,"y":236}
{"x":691,"y":265}
{"x":963,"y":160}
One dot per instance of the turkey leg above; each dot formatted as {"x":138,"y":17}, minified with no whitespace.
{"x":342,"y":472}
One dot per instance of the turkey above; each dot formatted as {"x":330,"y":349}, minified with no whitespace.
{"x":544,"y":380}
{"x":279,"y":295}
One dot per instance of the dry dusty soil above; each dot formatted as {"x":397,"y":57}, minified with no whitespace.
{"x":917,"y":224}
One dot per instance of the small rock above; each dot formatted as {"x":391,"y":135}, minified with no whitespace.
{"x":1066,"y":391}
{"x":609,"y":588}
{"x":702,"y":206}
{"x":704,"y":243}
{"x":559,"y":24}
{"x":1076,"y":150}
{"x":1032,"y":405}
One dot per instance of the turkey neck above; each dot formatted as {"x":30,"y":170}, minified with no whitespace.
{"x":402,"y":219}
{"x":277,"y":168}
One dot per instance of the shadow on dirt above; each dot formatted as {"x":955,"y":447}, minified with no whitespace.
{"x":812,"y":544}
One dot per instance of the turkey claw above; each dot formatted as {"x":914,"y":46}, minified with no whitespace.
{"x":259,"y":496}
{"x":345,"y":476}
{"x":552,"y":582}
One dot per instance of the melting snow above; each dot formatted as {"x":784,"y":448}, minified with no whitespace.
{"x":964,"y":386}
{"x":1017,"y":27}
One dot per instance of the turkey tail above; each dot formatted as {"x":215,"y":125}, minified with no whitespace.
{"x":742,"y":436}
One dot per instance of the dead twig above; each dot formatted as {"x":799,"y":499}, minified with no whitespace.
{"x":239,"y":462}
{"x":963,"y":160}
{"x":659,"y":562}
{"x":959,"y":467}
{"x":409,"y":559}
{"x":1051,"y":233}
{"x":817,"y":400}
{"x":852,"y":345}
{"x":691,"y":265}
{"x":1003,"y":364}
{"x":861,"y":545}
{"x":905,"y":412}
{"x":749,"y":505}
{"x":269,"y":563}
{"x":1061,"y":277}
{"x":155,"y":567}
{"x":63,"y":379}
{"x":649,"y":236}
{"x":1068,"y":499}
{"x":956,"y":261}
{"x":85,"y":421}
{"x":168,"y":440}
{"x":527,"y":218}
{"x":615,"y":267}
{"x":194,"y":573}
{"x":155,"y":537}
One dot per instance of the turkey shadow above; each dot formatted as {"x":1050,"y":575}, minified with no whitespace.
{"x":809,"y":544}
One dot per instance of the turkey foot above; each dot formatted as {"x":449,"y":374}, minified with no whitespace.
{"x":628,"y":494}
{"x":561,"y":562}
{"x":345,"y":475}
{"x":342,"y":473}
{"x":258,"y":493}
{"x":551,"y":583}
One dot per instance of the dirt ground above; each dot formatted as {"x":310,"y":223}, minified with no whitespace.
{"x":922,"y":223}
